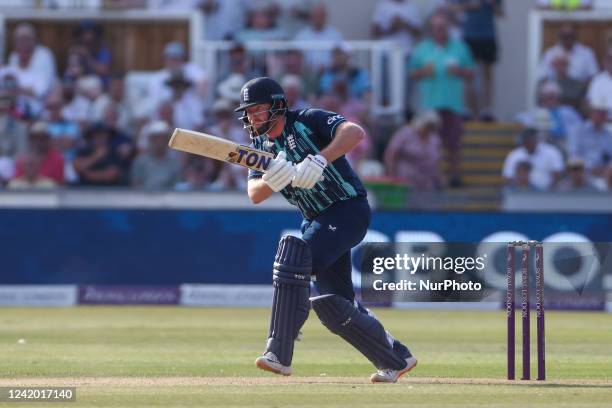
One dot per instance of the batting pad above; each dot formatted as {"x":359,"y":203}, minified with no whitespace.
{"x":290,"y":305}
{"x":361,"y":330}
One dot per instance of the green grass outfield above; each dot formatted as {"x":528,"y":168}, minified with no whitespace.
{"x":200,"y":357}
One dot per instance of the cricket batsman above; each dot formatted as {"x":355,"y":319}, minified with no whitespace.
{"x":312,"y":173}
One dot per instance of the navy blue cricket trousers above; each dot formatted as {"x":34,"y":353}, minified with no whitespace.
{"x":331,"y":235}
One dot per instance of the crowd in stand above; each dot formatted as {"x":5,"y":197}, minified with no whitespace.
{"x":76,"y":127}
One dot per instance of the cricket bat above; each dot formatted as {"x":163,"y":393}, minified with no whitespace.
{"x":220,"y":149}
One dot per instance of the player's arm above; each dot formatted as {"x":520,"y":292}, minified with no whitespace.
{"x":258,"y":190}
{"x":347,"y":136}
{"x":278,"y":176}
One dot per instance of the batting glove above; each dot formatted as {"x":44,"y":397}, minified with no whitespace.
{"x":309,"y":171}
{"x":280,"y":173}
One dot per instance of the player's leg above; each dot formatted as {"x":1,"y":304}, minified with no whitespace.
{"x":290,"y":305}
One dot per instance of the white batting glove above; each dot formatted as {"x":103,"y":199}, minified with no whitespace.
{"x":309,"y":171}
{"x":280,"y":173}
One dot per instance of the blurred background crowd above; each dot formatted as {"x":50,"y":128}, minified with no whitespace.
{"x":71,"y":121}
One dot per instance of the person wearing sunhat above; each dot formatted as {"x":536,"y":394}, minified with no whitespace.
{"x":188,"y":109}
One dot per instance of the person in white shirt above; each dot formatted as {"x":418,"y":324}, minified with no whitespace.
{"x":32,"y":61}
{"x":398,"y":21}
{"x":319,"y":31}
{"x":600,"y":88}
{"x":188,"y":107}
{"x":175,"y":61}
{"x":545,"y":159}
{"x":582,"y":62}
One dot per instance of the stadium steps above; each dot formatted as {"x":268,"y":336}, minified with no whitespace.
{"x":484,"y":148}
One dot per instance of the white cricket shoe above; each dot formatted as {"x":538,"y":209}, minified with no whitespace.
{"x":269,"y":362}
{"x":391,"y":376}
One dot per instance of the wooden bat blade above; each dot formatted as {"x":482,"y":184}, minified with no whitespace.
{"x":220,"y":149}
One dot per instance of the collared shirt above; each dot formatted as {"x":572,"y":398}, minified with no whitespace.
{"x":582,"y":62}
{"x":600,"y":89}
{"x":545,"y":161}
{"x":591,"y":145}
{"x":308,"y":132}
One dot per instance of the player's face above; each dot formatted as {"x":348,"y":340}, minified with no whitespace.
{"x":258,"y":114}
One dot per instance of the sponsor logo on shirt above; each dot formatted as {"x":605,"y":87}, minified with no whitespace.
{"x":334,"y":118}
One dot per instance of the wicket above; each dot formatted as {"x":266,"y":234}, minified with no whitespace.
{"x":525,"y":306}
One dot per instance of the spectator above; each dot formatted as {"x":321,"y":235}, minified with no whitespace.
{"x":357,"y":78}
{"x":222,"y":18}
{"x":90,"y":46}
{"x":292,"y":84}
{"x":32,"y":61}
{"x":51,"y":161}
{"x":126,"y":113}
{"x":398,"y":21}
{"x":175,"y":61}
{"x":293,"y":64}
{"x":260,"y":27}
{"x":582,"y":63}
{"x":592,"y":142}
{"x":229,"y":87}
{"x":563,"y":118}
{"x":88,"y":105}
{"x":318,"y":31}
{"x":98,"y":163}
{"x":480,"y":35}
{"x":572,"y":90}
{"x":294,"y":14}
{"x":600,"y":88}
{"x":31,"y":178}
{"x":441,"y":65}
{"x":198,"y":174}
{"x":414,"y":153}
{"x":568,"y":5}
{"x":76,"y":68}
{"x":64,"y":134}
{"x":522,"y":178}
{"x":577,"y":179}
{"x":26,"y":106}
{"x":188,"y":109}
{"x":156,"y":170}
{"x":545,"y":159}
{"x":453,"y":10}
{"x":13,"y":130}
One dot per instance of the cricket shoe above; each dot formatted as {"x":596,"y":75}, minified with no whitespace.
{"x":390,"y":375}
{"x":269,"y":362}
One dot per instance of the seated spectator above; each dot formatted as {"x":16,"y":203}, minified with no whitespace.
{"x":293,"y":64}
{"x":572,"y":90}
{"x":126,"y":114}
{"x":64,"y":134}
{"x":188,"y":109}
{"x":156,"y":170}
{"x":89,"y":102}
{"x":33,"y":61}
{"x":76,"y":68}
{"x":440,"y":66}
{"x":398,"y":21}
{"x":13,"y":129}
{"x":566,"y":5}
{"x":357,"y":78}
{"x":293,"y":15}
{"x":546,"y":161}
{"x":16,"y":87}
{"x":292,"y":84}
{"x":563,"y":118}
{"x":197,"y":175}
{"x":577,"y":179}
{"x":225,"y":124}
{"x":592,"y":142}
{"x":51,"y":161}
{"x":600,"y":88}
{"x":522,"y":178}
{"x":175,"y":61}
{"x":223,"y":19}
{"x":414,"y":153}
{"x":98,"y":163}
{"x":318,"y":31}
{"x":582,"y":62}
{"x":239,"y":73}
{"x":31,"y":179}
{"x":89,"y":44}
{"x":261,"y":26}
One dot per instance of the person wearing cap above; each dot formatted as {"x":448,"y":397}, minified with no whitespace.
{"x":156,"y":169}
{"x":592,"y":142}
{"x":357,"y":78}
{"x":33,"y":60}
{"x":175,"y":60}
{"x":546,"y":161}
{"x":582,"y":61}
{"x":51,"y":161}
{"x":563,"y":118}
{"x":311,"y":171}
{"x":414,"y":153}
